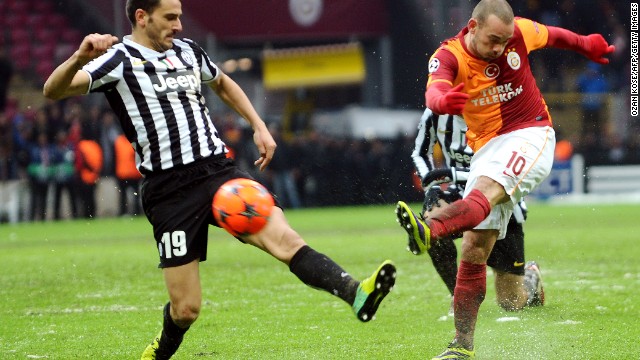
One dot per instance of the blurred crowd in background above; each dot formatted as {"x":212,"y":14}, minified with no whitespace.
{"x":60,"y":151}
{"x":64,"y":149}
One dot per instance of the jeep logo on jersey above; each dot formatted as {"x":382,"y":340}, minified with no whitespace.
{"x":460,"y":157}
{"x":174,"y":82}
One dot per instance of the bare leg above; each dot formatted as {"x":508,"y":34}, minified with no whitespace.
{"x":510,"y":292}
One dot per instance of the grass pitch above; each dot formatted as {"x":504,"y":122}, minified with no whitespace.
{"x":91,"y":290}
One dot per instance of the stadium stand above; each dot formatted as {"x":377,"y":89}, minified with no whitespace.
{"x":38,"y":36}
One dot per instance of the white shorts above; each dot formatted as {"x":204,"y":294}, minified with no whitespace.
{"x":519,"y":161}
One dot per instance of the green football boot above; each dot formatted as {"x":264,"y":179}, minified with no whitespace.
{"x":372,"y":290}
{"x":150,"y":352}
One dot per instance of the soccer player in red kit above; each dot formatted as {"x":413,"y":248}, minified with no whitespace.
{"x":484,"y":74}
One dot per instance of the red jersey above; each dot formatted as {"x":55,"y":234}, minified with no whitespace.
{"x":503,"y":93}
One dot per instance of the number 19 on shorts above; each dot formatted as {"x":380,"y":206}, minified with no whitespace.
{"x":173,"y":244}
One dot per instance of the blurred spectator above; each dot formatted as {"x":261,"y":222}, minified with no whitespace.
{"x":91,"y":121}
{"x":563,"y":151}
{"x":9,"y":190}
{"x":128,"y":176}
{"x":6,"y":73}
{"x":63,"y":175}
{"x":282,"y":171}
{"x":41,"y":123}
{"x":380,"y":164}
{"x":39,"y":172}
{"x":88,"y":165}
{"x":619,"y":58}
{"x":73,"y":113}
{"x":7,"y":155}
{"x":594,"y":87}
{"x":592,"y":148}
{"x":55,"y":117}
{"x":313,"y":150}
{"x":109,"y":131}
{"x":617,"y":152}
{"x":22,"y":142}
{"x":633,"y":153}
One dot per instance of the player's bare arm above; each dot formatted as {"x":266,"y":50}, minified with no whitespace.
{"x":232,"y":95}
{"x":67,"y":79}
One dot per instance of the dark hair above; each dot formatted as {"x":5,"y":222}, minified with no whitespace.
{"x":500,"y":8}
{"x":146,"y":5}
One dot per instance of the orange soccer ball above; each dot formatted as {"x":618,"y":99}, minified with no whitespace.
{"x":242,"y":206}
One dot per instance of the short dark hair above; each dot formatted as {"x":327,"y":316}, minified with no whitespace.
{"x":500,"y":8}
{"x":146,"y":5}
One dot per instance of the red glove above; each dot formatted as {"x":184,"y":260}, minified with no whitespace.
{"x":594,"y":47}
{"x":446,"y":101}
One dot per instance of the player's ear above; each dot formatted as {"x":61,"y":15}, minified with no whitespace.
{"x":141,"y":17}
{"x":472,"y":25}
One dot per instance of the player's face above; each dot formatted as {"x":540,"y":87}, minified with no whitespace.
{"x":489,"y":40}
{"x":163,"y":23}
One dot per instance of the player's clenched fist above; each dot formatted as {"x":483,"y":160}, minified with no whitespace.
{"x":452,"y":101}
{"x":94,"y":45}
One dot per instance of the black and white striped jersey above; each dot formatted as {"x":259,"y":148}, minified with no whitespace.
{"x":158,"y":98}
{"x":450,"y":132}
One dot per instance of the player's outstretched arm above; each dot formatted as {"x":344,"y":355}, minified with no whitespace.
{"x":66,"y":80}
{"x":593,"y":46}
{"x":232,"y":95}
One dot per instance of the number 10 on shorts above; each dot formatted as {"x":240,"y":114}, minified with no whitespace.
{"x":516,"y":164}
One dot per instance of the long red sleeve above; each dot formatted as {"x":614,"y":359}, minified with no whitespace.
{"x":433,"y":97}
{"x":446,"y":99}
{"x":566,"y":39}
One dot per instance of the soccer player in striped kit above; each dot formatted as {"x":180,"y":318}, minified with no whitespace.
{"x":484,"y":74}
{"x":516,"y":285}
{"x":152,"y":80}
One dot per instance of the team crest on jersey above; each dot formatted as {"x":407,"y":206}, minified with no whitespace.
{"x":186,"y":57}
{"x":434,"y":64}
{"x":492,"y":71}
{"x":513,"y":59}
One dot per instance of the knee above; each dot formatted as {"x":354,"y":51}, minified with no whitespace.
{"x":286,"y":246}
{"x":278,"y":238}
{"x":186,"y":313}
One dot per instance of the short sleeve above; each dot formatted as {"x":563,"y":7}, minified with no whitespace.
{"x":443,"y":66}
{"x":535,"y":35}
{"x":208,"y":69}
{"x":105,"y":71}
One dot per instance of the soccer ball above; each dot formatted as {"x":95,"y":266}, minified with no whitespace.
{"x":242,"y":206}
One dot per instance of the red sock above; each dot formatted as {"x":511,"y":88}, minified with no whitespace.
{"x":461,"y":215}
{"x":471,"y":287}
